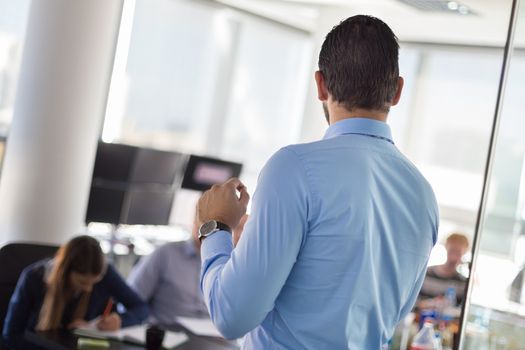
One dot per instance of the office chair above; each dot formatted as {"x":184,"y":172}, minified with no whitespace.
{"x":14,"y":257}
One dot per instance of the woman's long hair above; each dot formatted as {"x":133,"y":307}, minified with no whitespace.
{"x":82,"y":255}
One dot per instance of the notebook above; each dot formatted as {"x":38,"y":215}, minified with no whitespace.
{"x":199,"y":326}
{"x":134,"y":334}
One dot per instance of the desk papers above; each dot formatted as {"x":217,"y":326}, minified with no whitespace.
{"x":199,"y":326}
{"x":134,"y":334}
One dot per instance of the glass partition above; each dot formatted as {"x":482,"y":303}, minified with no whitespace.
{"x":495,"y":315}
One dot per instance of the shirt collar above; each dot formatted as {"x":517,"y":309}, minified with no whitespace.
{"x":361,"y":126}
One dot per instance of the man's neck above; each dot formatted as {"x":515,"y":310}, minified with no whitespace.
{"x":338,"y":113}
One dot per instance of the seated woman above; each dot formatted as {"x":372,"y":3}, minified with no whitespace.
{"x":67,"y":292}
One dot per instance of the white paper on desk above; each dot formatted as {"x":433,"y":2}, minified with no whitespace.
{"x":173,"y":339}
{"x":136,"y":334}
{"x":199,"y":326}
{"x":91,"y":325}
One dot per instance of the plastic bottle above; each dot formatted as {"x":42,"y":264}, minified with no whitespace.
{"x":438,"y":341}
{"x":450,"y":297}
{"x":450,"y":311}
{"x":447,"y":336}
{"x":425,"y":338}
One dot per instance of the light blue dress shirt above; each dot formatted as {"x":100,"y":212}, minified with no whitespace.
{"x":335,"y":250}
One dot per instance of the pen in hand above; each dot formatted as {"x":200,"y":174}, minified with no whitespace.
{"x":108,"y":308}
{"x":109,"y":321}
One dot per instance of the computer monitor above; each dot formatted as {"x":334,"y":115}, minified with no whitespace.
{"x":148,"y":207}
{"x":105,"y":204}
{"x":156,"y":167}
{"x":133,"y":185}
{"x":203,"y":172}
{"x":131,"y":164}
{"x":114,"y":162}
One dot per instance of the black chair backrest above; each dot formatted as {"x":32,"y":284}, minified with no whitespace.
{"x":15,"y":257}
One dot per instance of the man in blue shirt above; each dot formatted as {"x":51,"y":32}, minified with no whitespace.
{"x":336,"y":247}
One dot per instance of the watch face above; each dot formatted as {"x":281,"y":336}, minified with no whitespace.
{"x":207,"y":228}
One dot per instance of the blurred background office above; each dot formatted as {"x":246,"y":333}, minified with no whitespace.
{"x":232,"y":80}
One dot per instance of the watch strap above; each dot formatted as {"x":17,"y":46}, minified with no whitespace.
{"x":223,"y":227}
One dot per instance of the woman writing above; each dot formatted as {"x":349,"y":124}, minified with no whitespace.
{"x":69,"y":291}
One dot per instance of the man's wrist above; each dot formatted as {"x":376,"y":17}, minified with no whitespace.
{"x":212,"y":226}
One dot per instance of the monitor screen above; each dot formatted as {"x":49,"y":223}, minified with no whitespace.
{"x":133,"y":185}
{"x":114,"y":162}
{"x":203,"y":172}
{"x":135,"y":165}
{"x":105,"y":205}
{"x":148,"y":207}
{"x":157,"y":167}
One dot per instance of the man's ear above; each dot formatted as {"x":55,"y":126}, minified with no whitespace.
{"x":397,"y":96}
{"x":322,"y":91}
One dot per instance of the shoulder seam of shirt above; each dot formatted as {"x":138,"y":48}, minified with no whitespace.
{"x":399,"y":155}
{"x":309,"y":182}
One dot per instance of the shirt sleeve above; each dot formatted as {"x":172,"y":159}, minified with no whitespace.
{"x":241,"y":285}
{"x":144,"y":277}
{"x":136,"y":310}
{"x":416,"y":292}
{"x":18,"y":313}
{"x":413,"y":297}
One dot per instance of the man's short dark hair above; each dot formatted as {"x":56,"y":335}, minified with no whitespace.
{"x":359,"y":62}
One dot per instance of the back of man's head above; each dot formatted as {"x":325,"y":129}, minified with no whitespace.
{"x":359,"y":62}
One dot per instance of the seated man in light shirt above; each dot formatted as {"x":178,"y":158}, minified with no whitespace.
{"x":168,"y":280}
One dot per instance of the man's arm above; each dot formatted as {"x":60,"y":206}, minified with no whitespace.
{"x":145,"y":275}
{"x":241,"y":286}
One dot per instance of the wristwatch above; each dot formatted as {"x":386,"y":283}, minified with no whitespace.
{"x":210,"y":227}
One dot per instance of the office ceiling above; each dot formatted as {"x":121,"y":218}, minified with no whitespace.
{"x":485,"y":24}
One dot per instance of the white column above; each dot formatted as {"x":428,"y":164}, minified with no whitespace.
{"x":59,"y":107}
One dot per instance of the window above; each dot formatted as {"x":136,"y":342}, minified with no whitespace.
{"x":205,"y":79}
{"x":13,"y":18}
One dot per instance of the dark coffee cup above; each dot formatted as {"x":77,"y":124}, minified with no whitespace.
{"x":154,"y":338}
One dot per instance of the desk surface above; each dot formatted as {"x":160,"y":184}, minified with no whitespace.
{"x":62,"y":340}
